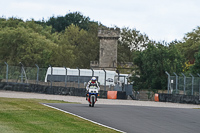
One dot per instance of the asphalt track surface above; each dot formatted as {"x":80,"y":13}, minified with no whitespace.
{"x":137,"y":119}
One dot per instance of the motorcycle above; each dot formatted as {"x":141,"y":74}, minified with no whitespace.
{"x":92,"y":95}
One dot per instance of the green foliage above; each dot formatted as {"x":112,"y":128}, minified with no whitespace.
{"x":11,"y":22}
{"x":77,"y":47}
{"x":190,"y":44}
{"x":152,"y":64}
{"x":190,"y":48}
{"x":60,"y":23}
{"x":134,"y":39}
{"x":33,"y":42}
{"x":25,"y":42}
{"x":131,"y":40}
{"x":196,"y":67}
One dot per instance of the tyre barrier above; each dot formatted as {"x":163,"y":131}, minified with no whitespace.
{"x":177,"y":98}
{"x":55,"y":90}
{"x":111,"y":94}
{"x":156,"y":98}
{"x":58,"y":90}
{"x":116,"y":95}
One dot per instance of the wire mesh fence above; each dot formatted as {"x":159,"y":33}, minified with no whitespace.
{"x":187,"y":85}
{"x":60,"y":76}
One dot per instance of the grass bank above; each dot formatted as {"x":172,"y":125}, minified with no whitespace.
{"x":29,"y":116}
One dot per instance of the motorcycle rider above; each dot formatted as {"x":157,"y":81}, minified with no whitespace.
{"x":92,"y":82}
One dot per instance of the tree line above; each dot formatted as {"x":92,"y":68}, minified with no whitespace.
{"x":72,"y":41}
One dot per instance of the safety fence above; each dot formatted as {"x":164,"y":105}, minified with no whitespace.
{"x":182,"y":84}
{"x":64,"y":77}
{"x":21,"y":74}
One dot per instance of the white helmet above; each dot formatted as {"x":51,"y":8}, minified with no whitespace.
{"x":93,"y":79}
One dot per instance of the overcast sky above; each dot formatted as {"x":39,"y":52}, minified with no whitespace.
{"x":159,"y":19}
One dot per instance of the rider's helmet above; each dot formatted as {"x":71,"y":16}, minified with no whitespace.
{"x":93,"y":79}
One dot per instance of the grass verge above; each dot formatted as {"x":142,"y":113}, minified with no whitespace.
{"x":29,"y":116}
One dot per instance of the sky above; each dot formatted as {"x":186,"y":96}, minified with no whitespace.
{"x":160,"y":20}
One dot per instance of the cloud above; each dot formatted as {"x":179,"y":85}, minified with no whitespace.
{"x":159,"y":19}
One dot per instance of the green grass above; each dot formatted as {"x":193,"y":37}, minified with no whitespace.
{"x":29,"y":116}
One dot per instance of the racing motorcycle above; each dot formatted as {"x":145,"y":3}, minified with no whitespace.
{"x":92,"y":95}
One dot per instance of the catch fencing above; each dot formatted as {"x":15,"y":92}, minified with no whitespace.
{"x":182,"y":84}
{"x":39,"y":76}
{"x":21,"y":74}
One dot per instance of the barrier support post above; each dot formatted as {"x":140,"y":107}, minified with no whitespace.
{"x":6,"y":71}
{"x":104,"y":80}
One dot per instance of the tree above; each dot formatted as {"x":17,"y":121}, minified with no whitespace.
{"x":11,"y":22}
{"x":61,"y":22}
{"x":32,"y":43}
{"x":25,"y":42}
{"x":130,"y":41}
{"x":64,"y":53}
{"x":134,"y":39}
{"x":152,"y":64}
{"x":190,"y":44}
{"x":85,"y":45}
{"x":196,"y":67}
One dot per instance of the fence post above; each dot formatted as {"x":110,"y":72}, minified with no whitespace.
{"x":78,"y":77}
{"x":104,"y":80}
{"x":92,"y":72}
{"x":199,"y":85}
{"x":37,"y":73}
{"x":6,"y":71}
{"x":184,"y":82}
{"x":51,"y":75}
{"x":176,"y":81}
{"x":192,"y":82}
{"x":117,"y":75}
{"x":124,"y":84}
{"x":65,"y":77}
{"x":168,"y":85}
{"x":21,"y":71}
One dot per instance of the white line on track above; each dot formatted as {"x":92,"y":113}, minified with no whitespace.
{"x":83,"y":118}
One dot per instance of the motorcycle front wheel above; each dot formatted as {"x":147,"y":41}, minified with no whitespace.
{"x":92,"y":101}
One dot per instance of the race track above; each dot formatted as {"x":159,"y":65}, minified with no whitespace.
{"x":131,"y":116}
{"x":138,"y":119}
